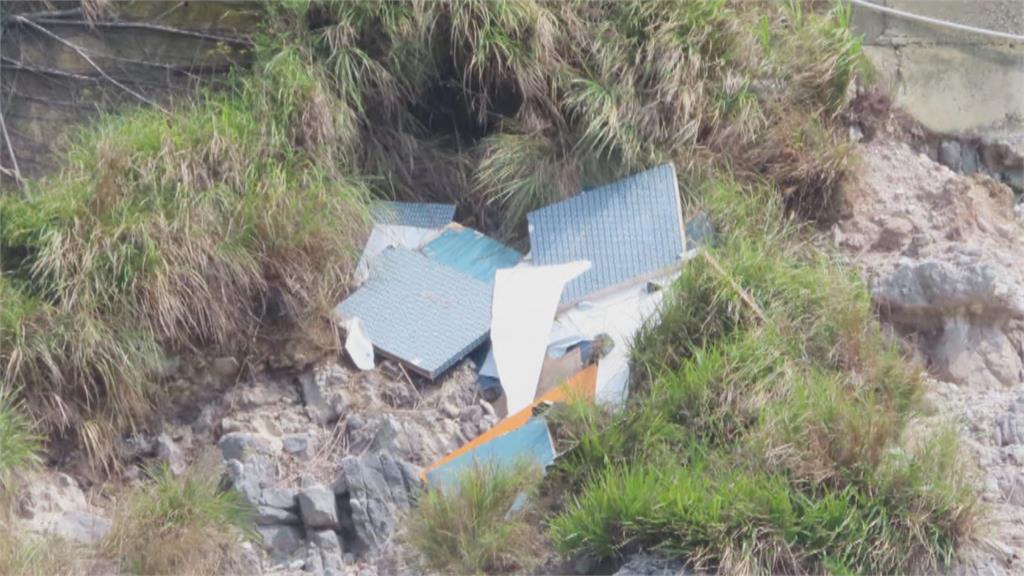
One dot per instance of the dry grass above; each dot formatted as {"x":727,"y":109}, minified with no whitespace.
{"x":38,"y":556}
{"x":184,"y":525}
{"x":469,"y":528}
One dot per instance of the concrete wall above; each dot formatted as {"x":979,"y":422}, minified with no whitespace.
{"x":949,"y":80}
{"x":157,"y":48}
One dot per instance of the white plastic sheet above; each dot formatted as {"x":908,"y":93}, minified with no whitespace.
{"x":620,"y":316}
{"x":386,"y":236}
{"x":358,"y":344}
{"x":522,"y":311}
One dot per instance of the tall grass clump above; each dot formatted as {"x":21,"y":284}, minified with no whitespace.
{"x":38,"y":556}
{"x":769,"y":427}
{"x":179,"y":525}
{"x":484,"y":522}
{"x":19,"y":445}
{"x":176,"y":232}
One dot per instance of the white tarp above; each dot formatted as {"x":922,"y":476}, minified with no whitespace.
{"x":620,"y":316}
{"x":358,"y":344}
{"x":386,"y":236}
{"x":522,"y":311}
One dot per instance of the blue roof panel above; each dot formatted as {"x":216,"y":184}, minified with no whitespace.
{"x":418,"y":214}
{"x":472,"y":253}
{"x":531,"y":442}
{"x":626,"y":229}
{"x":419,"y":311}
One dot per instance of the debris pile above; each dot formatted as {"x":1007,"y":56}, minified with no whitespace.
{"x":502,"y":335}
{"x":431,"y":293}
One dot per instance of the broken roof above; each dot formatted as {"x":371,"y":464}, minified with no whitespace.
{"x":418,"y":214}
{"x":628,"y":230}
{"x":419,"y":311}
{"x":471,"y":253}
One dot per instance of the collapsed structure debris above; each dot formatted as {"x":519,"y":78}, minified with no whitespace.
{"x":434,"y":292}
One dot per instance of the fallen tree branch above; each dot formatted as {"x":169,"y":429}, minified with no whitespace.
{"x":78,"y":50}
{"x":14,"y":171}
{"x":747,"y":298}
{"x":147,"y":26}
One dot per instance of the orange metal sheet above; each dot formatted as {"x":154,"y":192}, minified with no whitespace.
{"x":582,"y":384}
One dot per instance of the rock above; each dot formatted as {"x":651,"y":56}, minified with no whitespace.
{"x":949,"y":154}
{"x":78,"y":526}
{"x":280,"y":541}
{"x":226,"y":366}
{"x":249,"y":559}
{"x":268,"y":516}
{"x":136,"y":447}
{"x":644,"y":564}
{"x":299,"y":445}
{"x":331,"y":552}
{"x":1007,"y":431}
{"x":251,"y":476}
{"x":170,"y":454}
{"x":318,"y":507}
{"x":313,"y":397}
{"x":283,"y":498}
{"x":380,"y":488}
{"x":237,"y":445}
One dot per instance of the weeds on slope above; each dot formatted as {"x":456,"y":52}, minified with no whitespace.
{"x":169,"y":232}
{"x":767,"y":430}
{"x":486,"y":522}
{"x":184,"y":525}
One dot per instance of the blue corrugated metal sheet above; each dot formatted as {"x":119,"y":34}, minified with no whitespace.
{"x":418,"y":214}
{"x":419,"y":311}
{"x":625,"y":229}
{"x":472,"y":253}
{"x":531,"y":443}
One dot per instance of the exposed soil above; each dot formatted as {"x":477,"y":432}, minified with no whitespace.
{"x":944,"y":257}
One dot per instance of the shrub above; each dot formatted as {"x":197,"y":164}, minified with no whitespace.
{"x":184,"y":525}
{"x":470,"y":526}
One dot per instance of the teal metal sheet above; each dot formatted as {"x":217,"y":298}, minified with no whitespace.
{"x":529,"y":443}
{"x":471,"y":252}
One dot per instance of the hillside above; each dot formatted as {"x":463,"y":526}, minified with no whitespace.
{"x":824,"y":385}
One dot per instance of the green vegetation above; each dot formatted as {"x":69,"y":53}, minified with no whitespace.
{"x":181,"y":525}
{"x":469,"y":528}
{"x":768,"y":424}
{"x":768,"y":432}
{"x":19,"y":446}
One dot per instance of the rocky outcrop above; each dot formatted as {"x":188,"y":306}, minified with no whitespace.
{"x":942,"y":253}
{"x":943,"y":257}
{"x":329,"y":457}
{"x":53,"y":504}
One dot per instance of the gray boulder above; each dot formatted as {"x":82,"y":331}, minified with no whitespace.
{"x":170,"y":454}
{"x":380,"y":487}
{"x":284,"y":498}
{"x":318,"y":507}
{"x":645,"y":564}
{"x":327,"y":543}
{"x":239,"y":445}
{"x":269,"y":516}
{"x":280,"y":541}
{"x":78,"y":526}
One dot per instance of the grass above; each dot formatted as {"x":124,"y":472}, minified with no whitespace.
{"x":768,"y":428}
{"x":179,"y":525}
{"x":19,"y":445}
{"x":170,"y":233}
{"x":38,"y":556}
{"x":468,"y":528}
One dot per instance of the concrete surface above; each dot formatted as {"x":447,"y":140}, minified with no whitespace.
{"x":952,"y":81}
